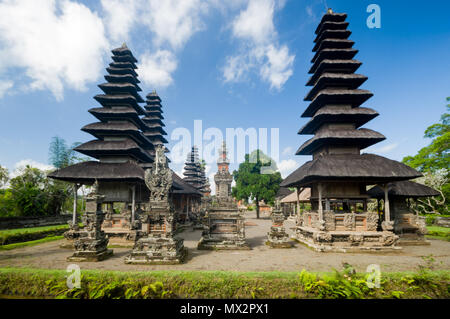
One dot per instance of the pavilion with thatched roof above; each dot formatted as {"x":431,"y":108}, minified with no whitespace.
{"x":338,"y":173}
{"x":407,"y":224}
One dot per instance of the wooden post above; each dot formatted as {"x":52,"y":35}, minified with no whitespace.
{"x":75,"y":204}
{"x":133,"y":203}
{"x":298,"y":201}
{"x":387,"y":210}
{"x":320,"y":202}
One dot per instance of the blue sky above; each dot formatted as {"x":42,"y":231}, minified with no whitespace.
{"x":239,"y":63}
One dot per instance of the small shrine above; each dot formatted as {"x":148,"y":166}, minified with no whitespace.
{"x":90,"y":242}
{"x":156,"y":242}
{"x":225,"y":228}
{"x":277,"y":236}
{"x":409,"y":226}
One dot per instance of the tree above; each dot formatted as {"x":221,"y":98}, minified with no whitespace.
{"x":4,"y":176}
{"x":251,"y":183}
{"x":434,"y":162}
{"x":62,"y":156}
{"x":31,"y":193}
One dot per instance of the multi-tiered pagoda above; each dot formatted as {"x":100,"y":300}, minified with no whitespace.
{"x":154,"y":129}
{"x":125,"y":139}
{"x":338,"y":173}
{"x":118,"y":133}
{"x":192,"y":169}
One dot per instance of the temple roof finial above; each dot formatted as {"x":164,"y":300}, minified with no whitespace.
{"x":124,"y":45}
{"x":330,"y":11}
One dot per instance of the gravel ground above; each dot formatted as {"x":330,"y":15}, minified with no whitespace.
{"x":260,"y":258}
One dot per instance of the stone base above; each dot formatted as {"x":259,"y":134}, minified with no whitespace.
{"x":346,"y":241}
{"x":67,"y":244}
{"x":222,"y":244}
{"x":157,"y":251}
{"x":284,"y":244}
{"x":121,"y":238}
{"x":413,"y":240}
{"x":82,"y":256}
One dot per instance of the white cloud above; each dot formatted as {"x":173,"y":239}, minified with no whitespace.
{"x":384,"y":149}
{"x":172,"y":21}
{"x":287,"y":151}
{"x":156,"y":69}
{"x":120,"y":16}
{"x":286,"y":167}
{"x":278,"y":69}
{"x":23,"y":163}
{"x":5,"y":86}
{"x":260,"y":49}
{"x":55,"y":42}
{"x":255,"y":23}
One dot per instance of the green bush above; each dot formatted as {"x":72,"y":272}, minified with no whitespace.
{"x":28,"y":234}
{"x":185,"y":284}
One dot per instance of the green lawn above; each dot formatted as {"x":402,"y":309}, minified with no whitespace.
{"x":20,"y":235}
{"x":437,"y":232}
{"x":30,"y":243}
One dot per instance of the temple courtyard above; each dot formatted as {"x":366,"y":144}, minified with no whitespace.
{"x":259,"y":258}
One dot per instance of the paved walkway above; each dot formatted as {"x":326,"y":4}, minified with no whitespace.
{"x":260,"y":258}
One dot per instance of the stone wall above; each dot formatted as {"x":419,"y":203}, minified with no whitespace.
{"x":442,"y":221}
{"x":26,"y":222}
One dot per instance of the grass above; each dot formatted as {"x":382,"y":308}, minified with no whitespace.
{"x":97,"y":284}
{"x":30,"y":243}
{"x":437,"y":232}
{"x":11,"y":236}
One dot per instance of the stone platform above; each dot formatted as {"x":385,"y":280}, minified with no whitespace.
{"x":225,"y":230}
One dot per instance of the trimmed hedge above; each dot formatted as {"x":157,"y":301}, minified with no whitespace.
{"x":30,"y":234}
{"x":96,"y":284}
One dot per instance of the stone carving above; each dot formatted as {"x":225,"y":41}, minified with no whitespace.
{"x":372,"y":221}
{"x":389,"y":239}
{"x":356,"y":239}
{"x":90,"y":242}
{"x":156,"y":242}
{"x":277,"y":237}
{"x":330,"y":224}
{"x":349,"y":221}
{"x":159,"y":178}
{"x":322,"y":237}
{"x":387,"y":225}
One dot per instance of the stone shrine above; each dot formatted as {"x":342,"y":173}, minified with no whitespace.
{"x":156,"y":242}
{"x":90,"y":242}
{"x":225,"y":228}
{"x":277,"y":236}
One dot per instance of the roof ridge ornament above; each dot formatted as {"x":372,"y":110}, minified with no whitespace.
{"x":330,"y":11}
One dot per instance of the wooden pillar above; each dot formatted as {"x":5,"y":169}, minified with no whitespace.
{"x":327,"y":204}
{"x":75,"y":204}
{"x":319,"y":186}
{"x":387,"y":210}
{"x":133,"y":203}
{"x":298,"y":200}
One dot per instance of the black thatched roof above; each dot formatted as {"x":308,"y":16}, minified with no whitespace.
{"x":333,"y":54}
{"x":185,"y":188}
{"x":361,"y":138}
{"x":283,"y":191}
{"x":338,"y":114}
{"x":87,"y":172}
{"x":365,"y":168}
{"x":349,"y":81}
{"x":405,"y":189}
